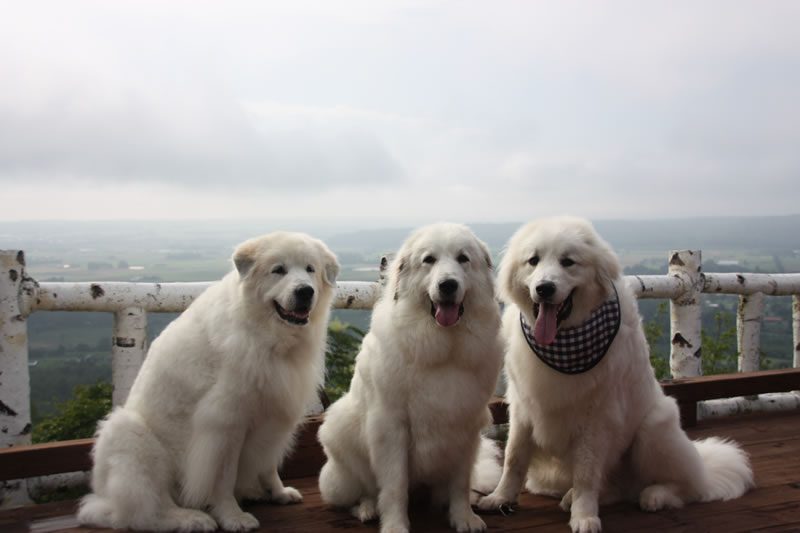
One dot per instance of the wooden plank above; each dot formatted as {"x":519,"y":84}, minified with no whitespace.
{"x":43,"y":459}
{"x":75,"y":455}
{"x":730,"y":385}
{"x":688,"y":391}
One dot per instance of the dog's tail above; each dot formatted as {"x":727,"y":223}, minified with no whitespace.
{"x":727,"y":469}
{"x":487,"y":469}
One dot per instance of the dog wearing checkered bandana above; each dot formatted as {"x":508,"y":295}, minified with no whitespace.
{"x":589,"y":420}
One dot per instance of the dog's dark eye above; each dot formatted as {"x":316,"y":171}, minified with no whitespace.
{"x":533,"y":261}
{"x":280,"y":270}
{"x":429,"y":259}
{"x":567,"y":262}
{"x":310,"y":269}
{"x":462,"y":258}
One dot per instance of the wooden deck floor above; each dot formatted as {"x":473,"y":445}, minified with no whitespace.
{"x":772,"y":440}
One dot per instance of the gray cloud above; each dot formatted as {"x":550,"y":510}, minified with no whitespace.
{"x":193,"y":143}
{"x":602,"y":110}
{"x":79,"y":101}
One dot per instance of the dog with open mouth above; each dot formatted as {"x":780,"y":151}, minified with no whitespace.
{"x":588,"y":421}
{"x":418,"y":399}
{"x":215,"y":405}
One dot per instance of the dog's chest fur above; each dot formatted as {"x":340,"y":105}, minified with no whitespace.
{"x":446,"y":381}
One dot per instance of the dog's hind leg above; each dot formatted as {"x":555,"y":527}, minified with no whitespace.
{"x":487,"y":469}
{"x":666,"y":462}
{"x":341,"y":488}
{"x":347,"y":479}
{"x":131,"y":480}
{"x":547,"y":476}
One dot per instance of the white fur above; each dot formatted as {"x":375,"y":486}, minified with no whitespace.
{"x":215,"y":405}
{"x":609,"y":433}
{"x":418,"y":399}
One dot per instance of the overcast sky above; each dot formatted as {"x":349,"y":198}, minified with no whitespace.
{"x":386,"y":113}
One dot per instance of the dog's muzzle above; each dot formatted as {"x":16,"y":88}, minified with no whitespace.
{"x":303,"y":298}
{"x":446,"y":311}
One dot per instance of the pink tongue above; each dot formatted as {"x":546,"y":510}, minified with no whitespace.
{"x":544,"y":331}
{"x":446,"y":315}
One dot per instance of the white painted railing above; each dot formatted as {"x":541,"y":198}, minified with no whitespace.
{"x":130,"y":303}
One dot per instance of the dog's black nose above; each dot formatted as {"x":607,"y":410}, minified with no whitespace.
{"x":546,"y":289}
{"x":304,"y":293}
{"x":448,"y":286}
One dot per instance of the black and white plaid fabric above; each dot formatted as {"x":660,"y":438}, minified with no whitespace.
{"x":576,"y":350}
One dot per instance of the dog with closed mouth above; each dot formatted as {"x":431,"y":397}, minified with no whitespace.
{"x":418,"y":398}
{"x":589,"y":422}
{"x":215,"y":405}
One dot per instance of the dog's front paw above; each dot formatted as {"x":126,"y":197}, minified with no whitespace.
{"x":585,"y":524}
{"x":467,"y":523}
{"x":186,"y":520}
{"x":240,"y":521}
{"x":366,"y":510}
{"x":286,"y":496}
{"x":496,"y":502}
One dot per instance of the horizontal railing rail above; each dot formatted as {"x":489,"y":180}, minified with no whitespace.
{"x":114,"y":296}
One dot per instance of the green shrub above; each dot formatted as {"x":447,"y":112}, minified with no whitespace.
{"x":77,"y":417}
{"x":344,"y":342}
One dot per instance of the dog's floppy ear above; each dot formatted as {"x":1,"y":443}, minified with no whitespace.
{"x":507,"y":269}
{"x":331,"y":267}
{"x":505,"y":273}
{"x":244,"y":257}
{"x":397,"y":275}
{"x":487,"y":255}
{"x":608,"y":268}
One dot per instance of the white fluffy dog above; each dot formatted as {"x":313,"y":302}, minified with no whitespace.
{"x":418,"y":399}
{"x":215,"y":405}
{"x":589,"y":421}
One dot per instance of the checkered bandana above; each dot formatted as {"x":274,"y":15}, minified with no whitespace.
{"x":578,"y":349}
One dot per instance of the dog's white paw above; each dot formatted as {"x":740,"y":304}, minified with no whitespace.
{"x":366,"y":510}
{"x":286,"y":496}
{"x":240,"y":521}
{"x":394,"y":528}
{"x":585,"y":524}
{"x":186,"y":520}
{"x":494,"y":502}
{"x":657,"y":497}
{"x":468,"y":522}
{"x":566,"y":501}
